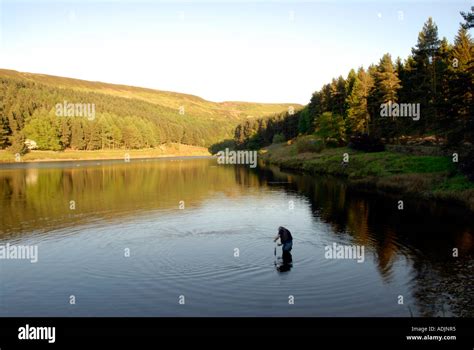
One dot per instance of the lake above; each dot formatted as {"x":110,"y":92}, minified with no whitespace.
{"x":189,"y":237}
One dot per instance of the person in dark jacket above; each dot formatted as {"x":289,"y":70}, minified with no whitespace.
{"x":286,"y":239}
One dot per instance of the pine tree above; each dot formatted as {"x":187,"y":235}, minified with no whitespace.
{"x":403,"y":94}
{"x":423,"y":79}
{"x":315,"y":105}
{"x":4,"y":128}
{"x":4,"y":132}
{"x":468,"y":18}
{"x":117,"y":137}
{"x":387,"y":82}
{"x":428,"y":41}
{"x":304,"y":122}
{"x":77,"y":135}
{"x":152,"y":140}
{"x":350,"y":81}
{"x":462,"y":49}
{"x":105,"y":127}
{"x":358,"y":113}
{"x":461,"y":88}
{"x":338,"y":94}
{"x":384,"y":90}
{"x":326,"y":98}
{"x":65,"y":130}
{"x":331,"y":128}
{"x":443,"y":100}
{"x":132,"y":137}
{"x":94,"y":140}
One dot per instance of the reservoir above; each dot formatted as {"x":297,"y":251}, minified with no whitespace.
{"x":191,"y":237}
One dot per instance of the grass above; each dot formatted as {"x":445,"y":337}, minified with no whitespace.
{"x":455,"y":183}
{"x":378,"y":164}
{"x":163,"y":151}
{"x":387,"y":172}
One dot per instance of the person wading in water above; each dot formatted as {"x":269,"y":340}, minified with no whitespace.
{"x":286,"y":240}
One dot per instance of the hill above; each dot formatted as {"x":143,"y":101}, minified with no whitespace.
{"x":125,"y":116}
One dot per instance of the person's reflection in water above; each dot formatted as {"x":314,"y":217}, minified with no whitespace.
{"x":287,"y":262}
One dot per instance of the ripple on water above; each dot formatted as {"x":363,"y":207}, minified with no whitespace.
{"x":200,"y":263}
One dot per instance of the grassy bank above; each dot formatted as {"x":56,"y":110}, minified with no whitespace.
{"x":428,"y":177}
{"x":171,"y":150}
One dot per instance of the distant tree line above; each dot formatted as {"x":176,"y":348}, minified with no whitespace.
{"x":27,"y":111}
{"x":438,"y":76}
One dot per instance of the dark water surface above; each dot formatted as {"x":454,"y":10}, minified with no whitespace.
{"x":135,"y":207}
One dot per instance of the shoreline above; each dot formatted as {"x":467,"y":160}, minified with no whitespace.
{"x":53,"y":163}
{"x":66,"y":160}
{"x":370,"y":173}
{"x":174,"y":150}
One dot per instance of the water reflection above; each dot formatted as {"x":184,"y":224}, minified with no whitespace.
{"x":38,"y":199}
{"x":436,"y":239}
{"x":286,"y":262}
{"x":420,"y":239}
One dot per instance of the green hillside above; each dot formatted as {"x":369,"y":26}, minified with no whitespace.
{"x":125,"y":116}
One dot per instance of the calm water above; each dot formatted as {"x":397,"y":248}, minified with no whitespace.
{"x":135,"y":207}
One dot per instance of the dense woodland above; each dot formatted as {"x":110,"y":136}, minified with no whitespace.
{"x":126,"y":117}
{"x":28,"y":112}
{"x":438,"y":75}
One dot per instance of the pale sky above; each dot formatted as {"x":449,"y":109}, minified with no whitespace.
{"x":265,"y":51}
